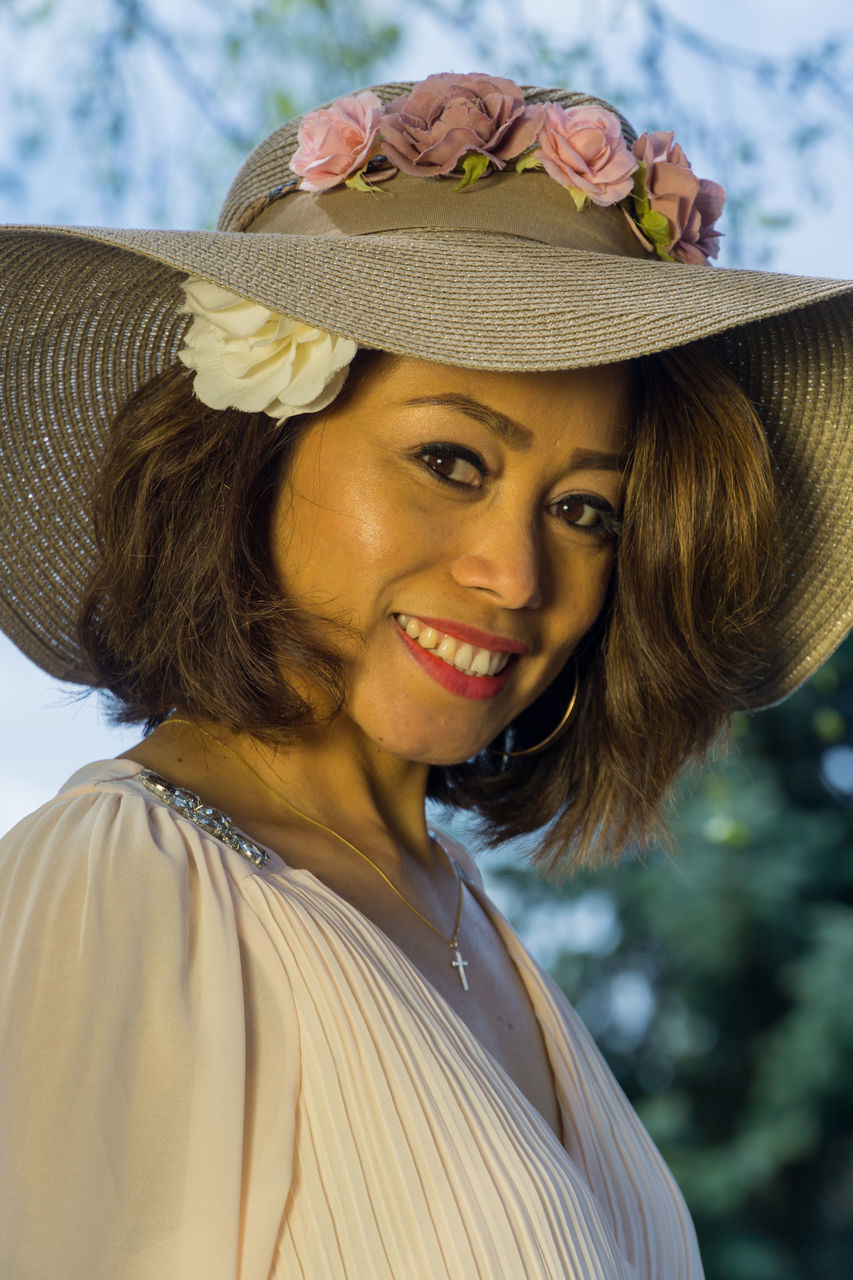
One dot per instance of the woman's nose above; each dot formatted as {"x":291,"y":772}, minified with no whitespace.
{"x":504,"y":558}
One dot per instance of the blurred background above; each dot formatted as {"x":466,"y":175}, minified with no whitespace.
{"x":717,"y":980}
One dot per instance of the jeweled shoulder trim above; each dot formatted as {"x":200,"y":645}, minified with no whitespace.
{"x":213,"y":821}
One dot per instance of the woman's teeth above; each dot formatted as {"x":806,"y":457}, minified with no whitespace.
{"x":456,"y":653}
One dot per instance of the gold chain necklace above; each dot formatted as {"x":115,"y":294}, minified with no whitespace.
{"x":456,"y":960}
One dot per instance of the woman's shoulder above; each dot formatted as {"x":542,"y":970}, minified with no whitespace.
{"x":113,"y":809}
{"x":106,"y":846}
{"x":136,"y":978}
{"x":106,"y":883}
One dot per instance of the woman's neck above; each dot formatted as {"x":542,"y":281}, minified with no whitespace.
{"x":331,"y":779}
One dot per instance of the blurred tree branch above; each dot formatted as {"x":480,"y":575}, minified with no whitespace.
{"x":151,"y":89}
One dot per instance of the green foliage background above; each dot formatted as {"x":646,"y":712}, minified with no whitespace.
{"x":718,"y":982}
{"x":740,"y":949}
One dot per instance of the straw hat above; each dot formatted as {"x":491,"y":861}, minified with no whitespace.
{"x":506,"y":274}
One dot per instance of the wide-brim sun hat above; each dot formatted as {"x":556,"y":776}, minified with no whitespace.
{"x":505,"y":274}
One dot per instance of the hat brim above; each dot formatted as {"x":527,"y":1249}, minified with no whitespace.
{"x":90,"y":314}
{"x":458,"y":297}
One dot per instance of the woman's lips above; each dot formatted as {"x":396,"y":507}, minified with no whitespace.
{"x":477,"y":688}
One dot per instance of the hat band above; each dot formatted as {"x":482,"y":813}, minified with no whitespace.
{"x":527,"y":206}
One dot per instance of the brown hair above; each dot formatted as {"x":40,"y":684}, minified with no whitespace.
{"x":184,"y":608}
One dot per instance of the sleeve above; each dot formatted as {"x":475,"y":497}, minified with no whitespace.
{"x":148,"y":1072}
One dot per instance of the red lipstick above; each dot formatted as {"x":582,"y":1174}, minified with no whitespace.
{"x":477,"y":688}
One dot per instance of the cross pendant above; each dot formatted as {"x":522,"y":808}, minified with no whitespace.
{"x":461,"y":965}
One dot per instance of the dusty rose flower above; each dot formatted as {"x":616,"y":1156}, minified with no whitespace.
{"x":690,"y":205}
{"x":336,"y":141}
{"x":446,"y":116}
{"x":583,"y":148}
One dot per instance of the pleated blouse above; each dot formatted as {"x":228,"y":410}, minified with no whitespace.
{"x":214,"y":1071}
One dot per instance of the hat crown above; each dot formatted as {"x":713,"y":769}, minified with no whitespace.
{"x":268,"y":165}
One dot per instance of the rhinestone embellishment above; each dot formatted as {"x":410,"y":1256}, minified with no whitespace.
{"x":213,"y":821}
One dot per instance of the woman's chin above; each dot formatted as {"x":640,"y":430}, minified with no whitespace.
{"x":412,"y":729}
{"x":438,"y":753}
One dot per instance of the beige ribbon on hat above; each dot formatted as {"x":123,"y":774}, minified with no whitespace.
{"x":527,"y":206}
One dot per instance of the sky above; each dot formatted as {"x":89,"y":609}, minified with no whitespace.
{"x":46,"y":731}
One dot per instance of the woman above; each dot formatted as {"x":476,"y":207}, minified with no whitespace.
{"x":428,"y":498}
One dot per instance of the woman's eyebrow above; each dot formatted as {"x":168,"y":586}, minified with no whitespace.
{"x":515,"y":435}
{"x":596,"y":460}
{"x":512,"y":433}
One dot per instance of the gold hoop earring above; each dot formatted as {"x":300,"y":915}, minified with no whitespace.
{"x":554,"y":734}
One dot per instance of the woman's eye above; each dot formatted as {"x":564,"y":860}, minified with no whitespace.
{"x":457,"y":465}
{"x":584,"y":511}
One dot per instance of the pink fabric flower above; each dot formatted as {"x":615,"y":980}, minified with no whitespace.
{"x":690,"y":205}
{"x":446,"y":116}
{"x":583,"y":148}
{"x":336,"y":141}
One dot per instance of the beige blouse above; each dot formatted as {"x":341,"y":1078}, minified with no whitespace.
{"x":212,"y":1070}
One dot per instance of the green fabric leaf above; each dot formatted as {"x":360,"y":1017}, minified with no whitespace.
{"x":640,"y":194}
{"x":530,"y":160}
{"x":656,"y":228}
{"x":358,"y":182}
{"x":655,"y":225}
{"x":580,"y":197}
{"x":474,"y":166}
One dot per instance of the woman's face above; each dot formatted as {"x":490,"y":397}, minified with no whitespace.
{"x":462,"y":522}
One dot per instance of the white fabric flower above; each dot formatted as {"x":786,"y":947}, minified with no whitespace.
{"x":246,"y":357}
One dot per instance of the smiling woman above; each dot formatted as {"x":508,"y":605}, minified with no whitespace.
{"x":445,"y":468}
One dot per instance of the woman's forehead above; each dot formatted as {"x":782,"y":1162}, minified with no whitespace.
{"x":517,"y":406}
